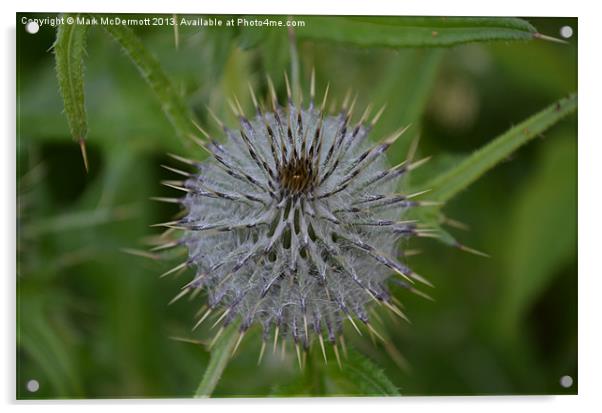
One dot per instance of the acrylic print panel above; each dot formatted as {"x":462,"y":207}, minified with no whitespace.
{"x":271,"y":206}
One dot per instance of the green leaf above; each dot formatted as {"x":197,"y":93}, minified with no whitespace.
{"x":415,"y":31}
{"x":172,"y":102}
{"x":449,"y":184}
{"x":542,"y":237}
{"x":359,"y":375}
{"x":69,"y":50}
{"x":220,"y":355}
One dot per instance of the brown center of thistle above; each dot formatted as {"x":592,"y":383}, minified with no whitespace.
{"x":297,"y":176}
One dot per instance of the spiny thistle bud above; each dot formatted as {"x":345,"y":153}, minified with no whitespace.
{"x":294,"y":223}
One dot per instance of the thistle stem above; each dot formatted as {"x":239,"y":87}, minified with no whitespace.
{"x":220,"y":355}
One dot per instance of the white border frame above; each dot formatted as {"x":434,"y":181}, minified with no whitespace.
{"x":589,"y":197}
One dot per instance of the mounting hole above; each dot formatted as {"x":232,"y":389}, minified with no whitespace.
{"x":566,"y":381}
{"x":33,"y":386}
{"x":566,"y":31}
{"x":32,"y":27}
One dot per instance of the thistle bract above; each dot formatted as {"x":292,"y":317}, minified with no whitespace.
{"x":294,"y":223}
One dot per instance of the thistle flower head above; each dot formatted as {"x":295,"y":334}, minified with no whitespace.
{"x":294,"y":223}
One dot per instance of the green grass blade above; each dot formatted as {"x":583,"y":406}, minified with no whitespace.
{"x":416,"y":31}
{"x":220,"y":355}
{"x":172,"y":102}
{"x":69,"y":50}
{"x":449,"y":184}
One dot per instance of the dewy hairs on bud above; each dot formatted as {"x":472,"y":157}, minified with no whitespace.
{"x":294,"y":223}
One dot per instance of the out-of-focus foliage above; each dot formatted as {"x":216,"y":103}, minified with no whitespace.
{"x":94,"y":321}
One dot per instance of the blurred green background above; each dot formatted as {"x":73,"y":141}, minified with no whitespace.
{"x":93,"y":322}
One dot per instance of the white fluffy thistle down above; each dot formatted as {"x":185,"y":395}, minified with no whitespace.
{"x":294,"y":223}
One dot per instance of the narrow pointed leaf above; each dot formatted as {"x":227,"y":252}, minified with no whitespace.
{"x":449,"y":184}
{"x":69,"y":51}
{"x":415,"y":31}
